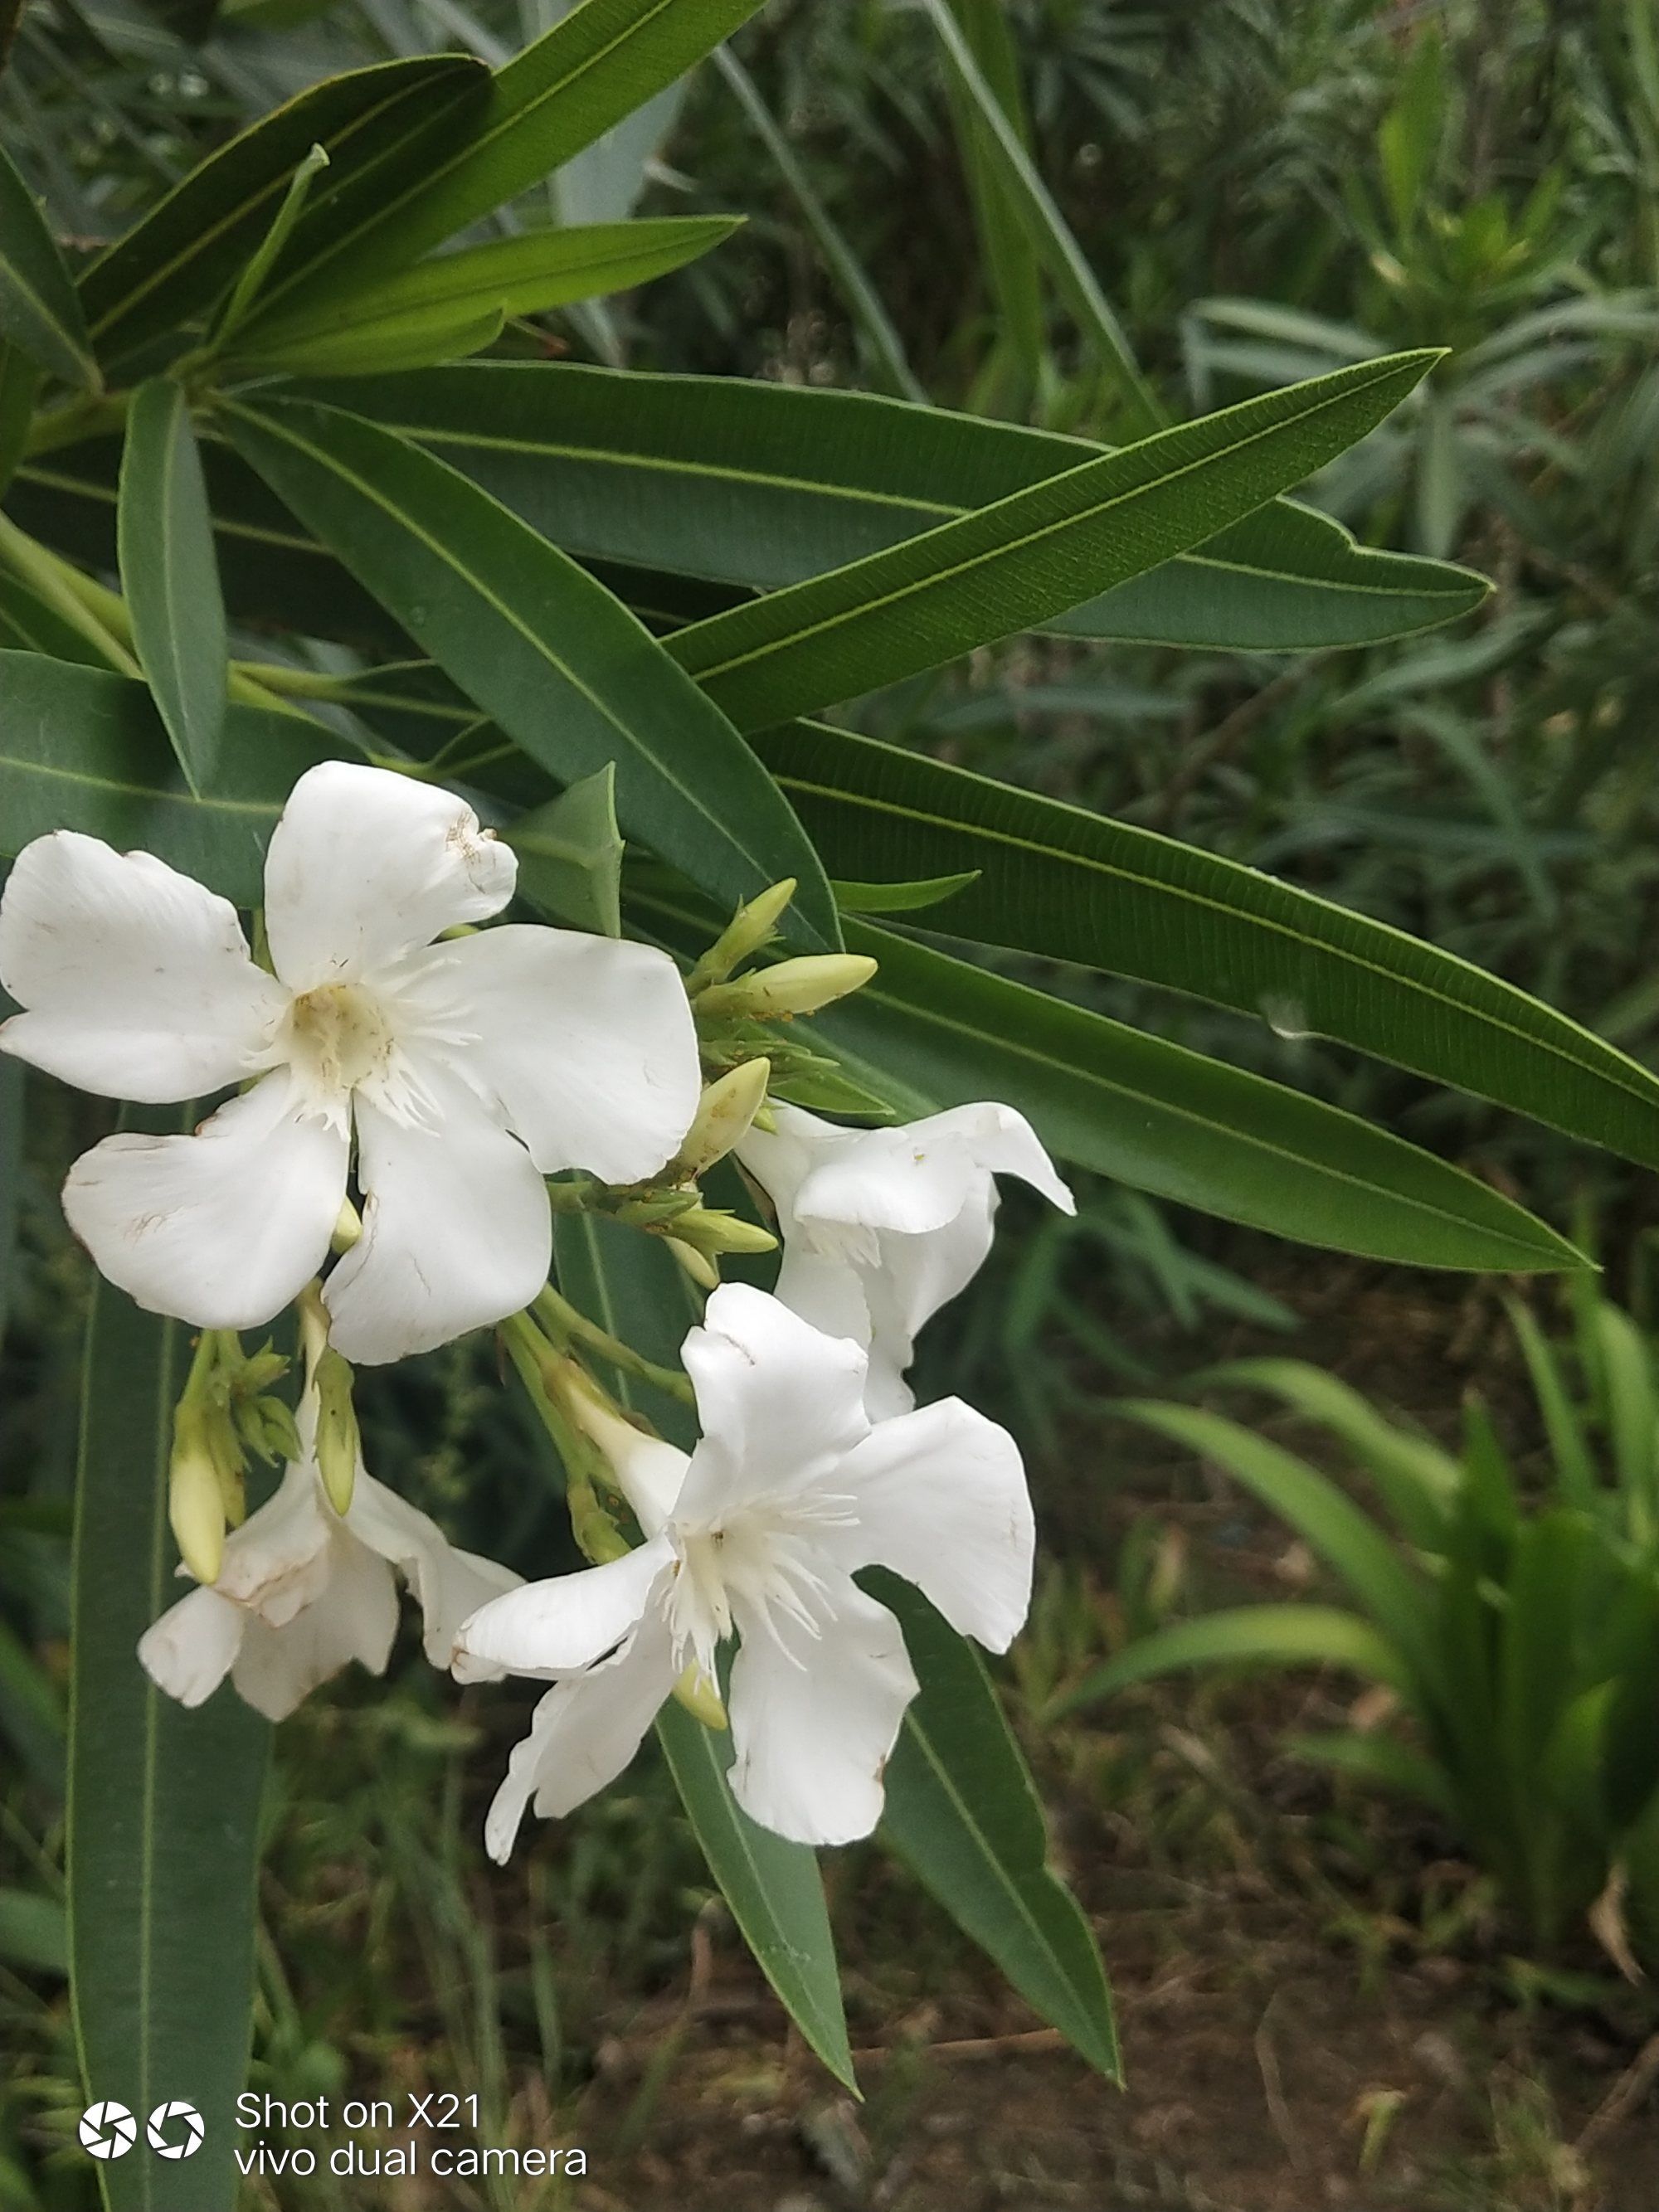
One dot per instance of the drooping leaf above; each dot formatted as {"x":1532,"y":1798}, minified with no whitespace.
{"x":560,"y":665}
{"x":628,"y":1283}
{"x":764,"y":484}
{"x":1023,"y":559}
{"x":170,"y":577}
{"x":521,"y":276}
{"x":40,"y":312}
{"x":1068,"y":884}
{"x":963,"y":1813}
{"x":163,"y":1808}
{"x":598,"y":63}
{"x":81,"y":749}
{"x":377,"y":126}
{"x":931,"y":1032}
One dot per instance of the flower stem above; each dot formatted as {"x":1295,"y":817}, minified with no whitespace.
{"x":596,"y":1535}
{"x":566,"y":1325}
{"x":58,"y":583}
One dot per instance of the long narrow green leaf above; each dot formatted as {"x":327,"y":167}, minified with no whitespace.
{"x":1046,"y":234}
{"x":603,"y":60}
{"x":1069,"y":885}
{"x":81,"y":749}
{"x":563,"y":668}
{"x":1025,"y":558}
{"x":931,"y":1032}
{"x":170,"y":577}
{"x":1012,"y":270}
{"x":163,"y":1808}
{"x":11,"y":1169}
{"x":628,"y":1283}
{"x":759,"y":483}
{"x":20,"y":383}
{"x":40,"y":312}
{"x":377,"y":125}
{"x":1383,"y":1762}
{"x":1400,"y":1600}
{"x":1576,"y":1481}
{"x":963,"y":1813}
{"x":522,"y":275}
{"x":1247,"y":1636}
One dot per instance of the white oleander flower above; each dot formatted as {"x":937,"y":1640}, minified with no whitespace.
{"x":881,"y":1227}
{"x":760,"y":1531}
{"x":469,"y":1070}
{"x":304,"y":1590}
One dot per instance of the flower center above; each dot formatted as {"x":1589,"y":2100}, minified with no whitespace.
{"x":340,"y":1037}
{"x":760,"y":1567}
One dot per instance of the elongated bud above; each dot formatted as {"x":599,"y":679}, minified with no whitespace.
{"x":750,"y":928}
{"x":700,"y":1697}
{"x":711,"y":1231}
{"x":224,"y":1447}
{"x":195,"y":1504}
{"x":339,"y":1445}
{"x":724,"y":1117}
{"x":704,"y":1272}
{"x":793,"y":987}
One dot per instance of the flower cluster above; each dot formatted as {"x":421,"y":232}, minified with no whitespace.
{"x":411,"y":1095}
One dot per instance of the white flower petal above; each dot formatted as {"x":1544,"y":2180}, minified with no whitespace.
{"x":136,"y":981}
{"x":585,"y":1731}
{"x":447,"y":1584}
{"x":366,"y":866}
{"x":779,"y":1402}
{"x":588,"y":1042}
{"x":220,"y":1228}
{"x":457,"y":1229}
{"x":814,"y":1718}
{"x":917,"y":1178}
{"x":354,"y":1617}
{"x":188,"y":1651}
{"x":280,"y":1559}
{"x":916,"y":1275}
{"x":941,"y":1499}
{"x":569,"y":1622}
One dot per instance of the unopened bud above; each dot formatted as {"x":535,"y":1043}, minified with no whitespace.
{"x":724,"y":1118}
{"x":793,"y":987}
{"x":195,"y":1504}
{"x":750,"y":928}
{"x":339,"y":1445}
{"x":711,"y":1231}
{"x":701,"y":1697}
{"x":704,"y":1272}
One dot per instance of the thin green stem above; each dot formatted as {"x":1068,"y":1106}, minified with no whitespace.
{"x":596,"y":1534}
{"x":57,"y":584}
{"x":566,"y":1325}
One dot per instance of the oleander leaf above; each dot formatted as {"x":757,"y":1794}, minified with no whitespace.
{"x":39,"y":310}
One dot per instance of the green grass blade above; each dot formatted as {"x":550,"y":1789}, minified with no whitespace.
{"x":1247,"y":1636}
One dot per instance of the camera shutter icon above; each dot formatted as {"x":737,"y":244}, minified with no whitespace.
{"x":107,"y":2130}
{"x":175,"y":2130}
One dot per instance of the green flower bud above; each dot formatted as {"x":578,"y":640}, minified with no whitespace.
{"x":724,"y":1117}
{"x":339,"y":1446}
{"x":793,"y":987}
{"x":196,"y":1501}
{"x":750,"y":928}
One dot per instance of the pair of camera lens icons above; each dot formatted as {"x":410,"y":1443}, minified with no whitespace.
{"x":174,"y":2130}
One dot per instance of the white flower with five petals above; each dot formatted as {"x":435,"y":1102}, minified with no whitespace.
{"x":468,"y":1070}
{"x":304,"y":1590}
{"x":760,"y":1531}
{"x":881,"y":1227}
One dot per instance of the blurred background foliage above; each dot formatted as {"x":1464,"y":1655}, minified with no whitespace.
{"x":1231,"y":194}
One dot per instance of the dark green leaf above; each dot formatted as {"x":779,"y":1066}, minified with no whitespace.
{"x":933,"y":1032}
{"x":11,"y":1168}
{"x":40,"y":313}
{"x":1068,"y":884}
{"x":440,"y":333}
{"x":761,"y":483}
{"x":20,"y":380}
{"x":605,"y":58}
{"x":561,"y":666}
{"x":900,"y":899}
{"x":521,"y":276}
{"x":170,"y":577}
{"x":33,"y":1933}
{"x":1025,"y":558}
{"x":81,"y":749}
{"x":163,"y":1810}
{"x":377,"y":126}
{"x":963,"y":1813}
